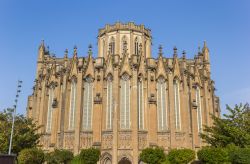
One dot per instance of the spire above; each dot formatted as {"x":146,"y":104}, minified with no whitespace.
{"x":90,"y":50}
{"x":175,"y":52}
{"x":75,"y":52}
{"x":205,"y":52}
{"x":66,"y":53}
{"x":41,"y":51}
{"x":160,"y":51}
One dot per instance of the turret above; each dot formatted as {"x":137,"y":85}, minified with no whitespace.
{"x":206,"y":58}
{"x":40,"y":58}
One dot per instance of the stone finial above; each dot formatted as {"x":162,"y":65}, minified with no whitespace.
{"x":175,"y":51}
{"x":90,"y":50}
{"x":184,"y":54}
{"x":66,"y":53}
{"x":75,"y":51}
{"x":160,"y":50}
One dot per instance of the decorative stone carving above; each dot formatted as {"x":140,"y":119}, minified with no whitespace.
{"x":163,"y":140}
{"x":86,"y":140}
{"x":124,"y":140}
{"x":152,"y":99}
{"x":179,"y":136}
{"x":69,"y":140}
{"x":45,"y":141}
{"x":142,"y":137}
{"x":98,"y":99}
{"x":107,"y":139}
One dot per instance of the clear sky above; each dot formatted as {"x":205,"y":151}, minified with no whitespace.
{"x":224,"y":24}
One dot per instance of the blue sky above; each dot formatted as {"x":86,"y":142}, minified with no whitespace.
{"x":224,"y":24}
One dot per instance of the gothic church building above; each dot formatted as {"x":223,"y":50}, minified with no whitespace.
{"x":124,"y":100}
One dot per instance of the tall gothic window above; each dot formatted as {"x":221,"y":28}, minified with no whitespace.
{"x":124,"y":44}
{"x":161,"y":104}
{"x":50,"y":109}
{"x":177,"y":105}
{"x":125,"y":102}
{"x":140,"y":104}
{"x":109,"y":107}
{"x":199,"y":113}
{"x":87,"y":104}
{"x":136,"y":46}
{"x":112,"y":46}
{"x":72,"y":105}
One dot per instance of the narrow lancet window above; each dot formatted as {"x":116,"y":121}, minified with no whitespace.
{"x":177,"y":105}
{"x":72,"y":105}
{"x":199,"y":110}
{"x":109,"y":107}
{"x":161,"y":104}
{"x":87,"y":104}
{"x":112,"y":46}
{"x":136,"y":46}
{"x":140,"y":104}
{"x":50,"y":109}
{"x":125,"y":102}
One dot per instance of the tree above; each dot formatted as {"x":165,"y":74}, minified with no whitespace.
{"x":90,"y":156}
{"x":153,"y":155}
{"x":213,"y":155}
{"x":31,"y":155}
{"x":59,"y":156}
{"x":181,"y":156}
{"x":234,"y":128}
{"x":24,"y":135}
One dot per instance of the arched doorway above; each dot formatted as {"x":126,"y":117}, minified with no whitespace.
{"x":107,"y":161}
{"x":124,"y":161}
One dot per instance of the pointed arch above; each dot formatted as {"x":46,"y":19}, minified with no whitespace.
{"x":177,"y":103}
{"x":109,"y":107}
{"x":161,"y":103}
{"x":136,"y":42}
{"x":112,"y":45}
{"x":125,"y":102}
{"x":87,"y":103}
{"x":72,"y":107}
{"x":140,"y":103}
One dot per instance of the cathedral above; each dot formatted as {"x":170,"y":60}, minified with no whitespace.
{"x":124,"y":100}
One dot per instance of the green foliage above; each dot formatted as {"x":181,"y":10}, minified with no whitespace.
{"x":76,"y":160}
{"x":213,"y":155}
{"x":31,"y":155}
{"x":234,"y":128}
{"x":90,"y":156}
{"x":59,"y":157}
{"x":153,"y":155}
{"x":238,"y":155}
{"x":181,"y":156}
{"x":24,"y":135}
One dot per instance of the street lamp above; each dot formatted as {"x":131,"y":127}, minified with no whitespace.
{"x":14,"y":113}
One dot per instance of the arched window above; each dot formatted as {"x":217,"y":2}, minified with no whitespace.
{"x":136,"y":46}
{"x":124,"y":44}
{"x":140,"y":104}
{"x":125,"y":102}
{"x":109,"y":108}
{"x":112,"y":46}
{"x":199,"y":113}
{"x":72,"y":105}
{"x":161,"y":104}
{"x":87,"y":104}
{"x":50,"y":109}
{"x":177,"y":105}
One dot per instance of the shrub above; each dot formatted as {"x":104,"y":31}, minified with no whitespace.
{"x":90,"y":156}
{"x":31,"y":155}
{"x":153,"y":155}
{"x":179,"y":156}
{"x":240,"y":156}
{"x":59,"y":156}
{"x":213,"y":155}
{"x":76,"y":160}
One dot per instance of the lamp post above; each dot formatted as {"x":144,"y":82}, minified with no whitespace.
{"x":14,"y":113}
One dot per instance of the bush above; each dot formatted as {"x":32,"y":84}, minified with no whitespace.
{"x":59,"y":156}
{"x":181,"y":156}
{"x":153,"y":155}
{"x":31,"y":155}
{"x":76,"y":160}
{"x":213,"y":155}
{"x":240,"y":156}
{"x":90,"y":156}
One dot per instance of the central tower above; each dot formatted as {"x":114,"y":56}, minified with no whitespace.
{"x":114,"y":39}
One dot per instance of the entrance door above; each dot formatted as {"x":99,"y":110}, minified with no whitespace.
{"x":124,"y":161}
